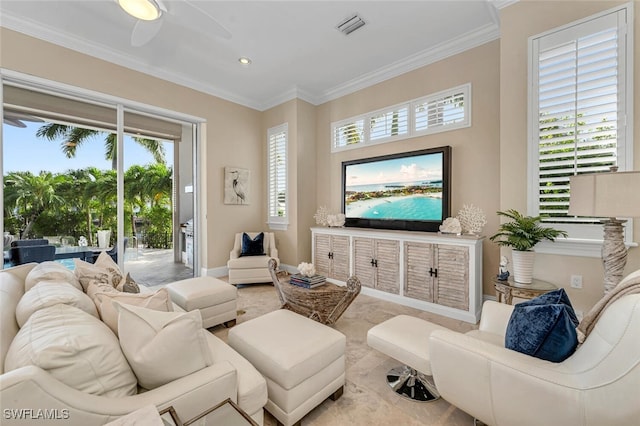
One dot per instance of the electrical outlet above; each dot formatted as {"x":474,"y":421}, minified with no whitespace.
{"x":576,"y":281}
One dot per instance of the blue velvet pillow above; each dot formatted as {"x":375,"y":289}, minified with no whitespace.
{"x":543,"y":327}
{"x":252,"y":247}
{"x":552,"y":297}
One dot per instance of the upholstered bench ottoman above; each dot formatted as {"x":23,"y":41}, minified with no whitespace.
{"x":215,"y":299}
{"x":302,"y":361}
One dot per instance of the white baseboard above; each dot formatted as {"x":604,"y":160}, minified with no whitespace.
{"x":223,"y":271}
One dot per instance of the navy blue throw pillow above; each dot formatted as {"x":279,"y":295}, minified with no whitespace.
{"x":552,"y":297}
{"x":252,"y":247}
{"x":543,"y":328}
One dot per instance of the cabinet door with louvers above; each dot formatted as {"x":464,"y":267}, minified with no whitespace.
{"x":322,"y":257}
{"x":340,"y":258}
{"x":419,"y":281}
{"x":452,"y":284}
{"x":362,"y":257}
{"x":387,"y":259}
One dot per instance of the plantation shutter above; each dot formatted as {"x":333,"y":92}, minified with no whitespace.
{"x":349,"y":133}
{"x":442,"y":110}
{"x":277,"y":166}
{"x":387,"y":124}
{"x":579,"y":97}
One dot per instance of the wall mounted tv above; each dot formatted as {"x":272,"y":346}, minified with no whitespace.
{"x":407,"y":191}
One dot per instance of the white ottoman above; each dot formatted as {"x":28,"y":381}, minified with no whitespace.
{"x":215,"y":299}
{"x":302,"y":361}
{"x":406,"y":339}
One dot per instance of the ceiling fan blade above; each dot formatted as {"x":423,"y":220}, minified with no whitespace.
{"x":14,"y":122}
{"x":203,"y":22}
{"x":145,"y":31}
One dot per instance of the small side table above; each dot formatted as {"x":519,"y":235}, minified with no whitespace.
{"x":507,"y":290}
{"x":226,"y":413}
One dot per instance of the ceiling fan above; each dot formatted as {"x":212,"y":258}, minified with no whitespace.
{"x":17,"y":119}
{"x":152,"y":13}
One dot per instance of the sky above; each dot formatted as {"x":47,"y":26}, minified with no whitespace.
{"x":408,"y":169}
{"x":23,"y":151}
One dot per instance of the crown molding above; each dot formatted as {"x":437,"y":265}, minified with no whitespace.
{"x":467,"y":41}
{"x":501,"y":4}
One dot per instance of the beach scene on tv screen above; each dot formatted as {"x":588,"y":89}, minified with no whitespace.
{"x":407,"y":188}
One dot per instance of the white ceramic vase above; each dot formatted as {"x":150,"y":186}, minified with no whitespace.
{"x":523,"y":266}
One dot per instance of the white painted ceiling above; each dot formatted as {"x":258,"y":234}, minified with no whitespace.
{"x":295,"y":48}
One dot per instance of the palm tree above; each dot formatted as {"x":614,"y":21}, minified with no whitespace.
{"x":28,"y":196}
{"x":73,"y":137}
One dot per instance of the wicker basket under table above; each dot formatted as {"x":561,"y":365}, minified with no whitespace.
{"x":324,"y":304}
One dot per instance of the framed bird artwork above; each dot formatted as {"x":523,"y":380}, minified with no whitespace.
{"x":236,"y":186}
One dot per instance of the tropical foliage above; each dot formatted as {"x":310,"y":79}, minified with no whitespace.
{"x":522,"y":233}
{"x":79,"y":202}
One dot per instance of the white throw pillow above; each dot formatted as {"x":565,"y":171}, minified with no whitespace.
{"x":158,"y":301}
{"x":104,"y":269}
{"x":162,"y":346}
{"x":50,"y":271}
{"x":49,"y":293}
{"x":75,"y":348}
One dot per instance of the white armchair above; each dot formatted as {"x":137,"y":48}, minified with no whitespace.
{"x":597,"y":385}
{"x":251,"y":269}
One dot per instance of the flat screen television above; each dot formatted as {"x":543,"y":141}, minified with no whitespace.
{"x":407,"y":191}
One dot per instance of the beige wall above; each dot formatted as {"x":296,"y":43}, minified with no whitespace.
{"x":233,"y":138}
{"x":518,"y":22}
{"x":294,"y":244}
{"x":475,"y":150}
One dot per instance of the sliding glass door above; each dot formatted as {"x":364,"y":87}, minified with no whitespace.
{"x":85,"y":172}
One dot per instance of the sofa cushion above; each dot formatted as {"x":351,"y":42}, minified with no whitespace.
{"x":50,"y":271}
{"x":49,"y":293}
{"x":104,"y":270}
{"x":162,"y":346}
{"x":543,"y":329}
{"x":128,"y":285}
{"x":76,"y":349}
{"x":252,"y":246}
{"x":158,"y":301}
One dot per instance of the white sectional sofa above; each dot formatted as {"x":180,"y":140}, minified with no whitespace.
{"x":33,"y":393}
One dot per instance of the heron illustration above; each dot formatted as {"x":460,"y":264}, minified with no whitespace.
{"x":237,"y":187}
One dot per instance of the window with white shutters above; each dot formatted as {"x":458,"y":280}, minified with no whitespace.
{"x":277,"y":177}
{"x":579,"y":104}
{"x":389,"y":124}
{"x":348,"y":133}
{"x":440,"y":112}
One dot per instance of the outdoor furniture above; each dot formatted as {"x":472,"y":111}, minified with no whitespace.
{"x":113,"y":252}
{"x":324,"y":304}
{"x":215,"y":299}
{"x":31,"y":253}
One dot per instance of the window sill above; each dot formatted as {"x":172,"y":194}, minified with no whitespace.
{"x":575,"y":247}
{"x":278,"y":226}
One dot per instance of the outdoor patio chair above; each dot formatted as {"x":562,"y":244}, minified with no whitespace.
{"x":31,"y":253}
{"x":113,"y":252}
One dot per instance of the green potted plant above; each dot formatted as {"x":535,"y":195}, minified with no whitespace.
{"x":522,"y":233}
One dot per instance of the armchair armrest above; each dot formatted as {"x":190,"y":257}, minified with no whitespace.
{"x":495,"y":317}
{"x":497,"y":385}
{"x":32,"y":388}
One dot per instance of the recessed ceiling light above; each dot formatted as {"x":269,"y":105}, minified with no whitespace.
{"x":244,"y":61}
{"x":147,"y":10}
